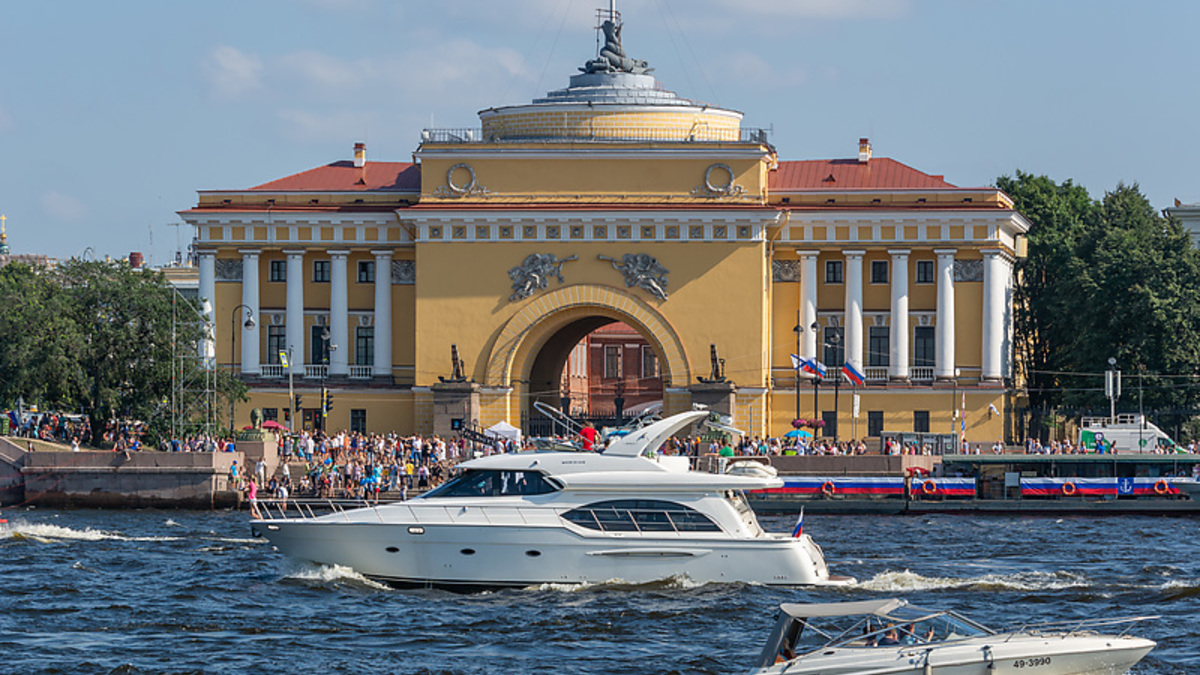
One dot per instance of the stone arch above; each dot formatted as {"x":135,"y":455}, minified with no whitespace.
{"x":524,"y":334}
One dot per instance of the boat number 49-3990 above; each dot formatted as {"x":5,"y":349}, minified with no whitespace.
{"x":1032,"y":663}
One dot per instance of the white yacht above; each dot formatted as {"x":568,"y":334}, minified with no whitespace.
{"x":892,"y":637}
{"x":625,"y":514}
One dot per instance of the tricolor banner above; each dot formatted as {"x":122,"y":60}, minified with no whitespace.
{"x":840,"y":485}
{"x":943,"y":487}
{"x":1068,"y":487}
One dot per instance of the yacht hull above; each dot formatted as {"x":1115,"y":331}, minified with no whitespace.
{"x":471,"y":557}
{"x":1075,"y":655}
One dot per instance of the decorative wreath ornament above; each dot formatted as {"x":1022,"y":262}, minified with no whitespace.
{"x":455,"y":187}
{"x":719,"y":189}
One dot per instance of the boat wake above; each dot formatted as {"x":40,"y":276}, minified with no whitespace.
{"x":673,"y":583}
{"x":42,"y":533}
{"x":331,"y":574}
{"x":906,"y":581}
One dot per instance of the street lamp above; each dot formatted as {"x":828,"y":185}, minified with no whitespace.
{"x":833,"y":341}
{"x":325,"y":337}
{"x":1112,"y":388}
{"x":249,"y":323}
{"x":799,"y":331}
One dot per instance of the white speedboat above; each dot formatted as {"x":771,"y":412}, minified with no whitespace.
{"x":626,"y":514}
{"x":892,"y":637}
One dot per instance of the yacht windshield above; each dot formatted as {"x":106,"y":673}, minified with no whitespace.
{"x":493,"y":483}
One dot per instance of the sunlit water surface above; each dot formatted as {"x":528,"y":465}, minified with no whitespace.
{"x":192,"y":592}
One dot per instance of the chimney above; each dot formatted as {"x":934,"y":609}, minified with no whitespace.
{"x":360,"y":155}
{"x":864,"y":150}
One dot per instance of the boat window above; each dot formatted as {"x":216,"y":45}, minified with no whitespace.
{"x":640,"y":515}
{"x":491,"y":483}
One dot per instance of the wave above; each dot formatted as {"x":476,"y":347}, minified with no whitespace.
{"x":332,"y":574}
{"x":676,"y":582}
{"x":906,"y":581}
{"x":47,"y":534}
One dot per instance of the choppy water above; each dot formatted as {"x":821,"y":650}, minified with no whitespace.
{"x":157,"y":592}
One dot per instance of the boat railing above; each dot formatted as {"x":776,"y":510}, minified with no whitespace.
{"x":309,"y":507}
{"x":1067,"y":629}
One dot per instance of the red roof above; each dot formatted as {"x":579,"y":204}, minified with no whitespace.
{"x":878,"y":173}
{"x":344,"y":177}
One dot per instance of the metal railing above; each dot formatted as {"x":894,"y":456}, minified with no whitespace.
{"x":601,"y":134}
{"x":1066,"y":629}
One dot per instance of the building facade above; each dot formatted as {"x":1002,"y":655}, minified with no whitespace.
{"x":614,"y":200}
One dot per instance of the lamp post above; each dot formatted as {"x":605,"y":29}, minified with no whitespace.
{"x":249,"y":323}
{"x":325,"y":337}
{"x":833,"y":341}
{"x":953,"y":408}
{"x":816,"y":382}
{"x":798,"y":330}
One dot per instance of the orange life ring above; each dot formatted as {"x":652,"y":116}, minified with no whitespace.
{"x":827,"y":488}
{"x":929,"y":487}
{"x":1162,"y":487}
{"x":1069,"y":489}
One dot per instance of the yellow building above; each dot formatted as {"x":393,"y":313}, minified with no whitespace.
{"x":615,"y":200}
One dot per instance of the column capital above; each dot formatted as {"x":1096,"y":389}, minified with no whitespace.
{"x":899,"y":252}
{"x":387,"y":253}
{"x":997,"y":253}
{"x":250,"y":251}
{"x":945,"y":252}
{"x":208,"y":253}
{"x":807,"y":254}
{"x":854,"y":254}
{"x":292,"y":253}
{"x":339,"y":254}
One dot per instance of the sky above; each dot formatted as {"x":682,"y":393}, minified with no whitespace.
{"x":113,"y":114}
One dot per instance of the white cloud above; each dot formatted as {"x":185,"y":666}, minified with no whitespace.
{"x":232,"y":71}
{"x":63,"y":207}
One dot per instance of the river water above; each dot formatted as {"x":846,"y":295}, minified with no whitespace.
{"x":159,"y":592}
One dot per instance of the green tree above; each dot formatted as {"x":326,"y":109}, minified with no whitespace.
{"x":40,"y":339}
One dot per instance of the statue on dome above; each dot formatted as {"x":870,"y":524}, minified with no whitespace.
{"x":612,"y":55}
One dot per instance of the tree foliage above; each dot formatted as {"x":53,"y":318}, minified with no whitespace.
{"x":96,"y":337}
{"x":1104,"y":279}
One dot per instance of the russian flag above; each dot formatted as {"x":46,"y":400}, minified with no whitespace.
{"x":799,"y":529}
{"x":852,"y":374}
{"x":815,"y":367}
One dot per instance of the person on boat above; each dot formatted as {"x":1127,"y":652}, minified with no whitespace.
{"x":891,"y":637}
{"x":588,"y":432}
{"x":252,"y":496}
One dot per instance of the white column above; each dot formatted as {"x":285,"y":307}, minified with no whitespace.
{"x":854,"y":305}
{"x":339,"y":315}
{"x":383,"y":314}
{"x":208,"y":298}
{"x":944,"y":352}
{"x":295,"y":310}
{"x":808,"y":303}
{"x":995,"y":286}
{"x":250,"y":360}
{"x":898,"y":364}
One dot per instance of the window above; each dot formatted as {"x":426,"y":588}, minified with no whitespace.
{"x":878,"y":347}
{"x":830,"y":418}
{"x":276,"y":342}
{"x":835,"y":347}
{"x":612,"y":361}
{"x":924,"y":271}
{"x":833,"y":271}
{"x":270,"y":414}
{"x":924,"y":342}
{"x":492,"y":483}
{"x":364,"y":345}
{"x":640,"y":515}
{"x":366,"y":271}
{"x":879,"y":271}
{"x":921,"y":421}
{"x":278,"y":271}
{"x":874,"y":422}
{"x":321,"y":271}
{"x":319,"y":348}
{"x":649,"y":362}
{"x":358,"y":421}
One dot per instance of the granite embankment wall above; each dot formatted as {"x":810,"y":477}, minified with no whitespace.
{"x":116,"y":479}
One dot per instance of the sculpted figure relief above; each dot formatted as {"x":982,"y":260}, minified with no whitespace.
{"x":612,"y":55}
{"x":642,"y":271}
{"x":534,"y":274}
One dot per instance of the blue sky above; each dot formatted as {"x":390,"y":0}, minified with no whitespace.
{"x":113,"y":114}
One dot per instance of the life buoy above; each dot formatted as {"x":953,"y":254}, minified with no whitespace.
{"x":1161,"y":487}
{"x":827,"y":488}
{"x":1069,"y":489}
{"x":929,"y":487}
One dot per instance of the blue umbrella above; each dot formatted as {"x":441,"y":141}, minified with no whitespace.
{"x":798,"y":433}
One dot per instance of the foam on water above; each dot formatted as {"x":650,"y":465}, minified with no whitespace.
{"x":45,"y":533}
{"x":907,"y":581}
{"x":331,"y":574}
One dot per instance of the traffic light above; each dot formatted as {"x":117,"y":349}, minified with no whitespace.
{"x":324,"y":398}
{"x":298,"y":403}
{"x":328,"y":401}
